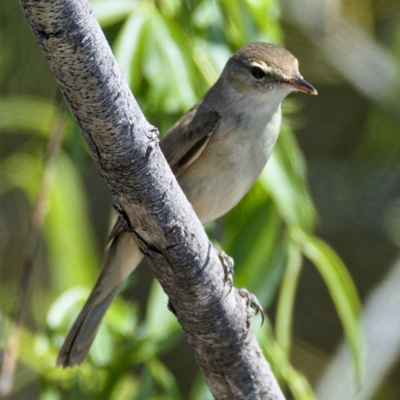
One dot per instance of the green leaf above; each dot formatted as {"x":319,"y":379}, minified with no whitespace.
{"x":166,"y":66}
{"x":285,"y":179}
{"x":233,"y":19}
{"x":200,"y":390}
{"x":210,"y":60}
{"x":129,"y":47}
{"x":340,"y":286}
{"x":255,"y":240}
{"x":286,"y":299}
{"x":110,"y":12}
{"x":160,"y":322}
{"x":50,"y":394}
{"x":23,"y":114}
{"x":21,"y":170}
{"x":126,"y":357}
{"x":66,"y":305}
{"x":164,"y":378}
{"x":127,"y":388}
{"x":206,"y":15}
{"x":146,"y":388}
{"x":265,"y":21}
{"x":298,"y":384}
{"x":72,"y":255}
{"x":119,"y":323}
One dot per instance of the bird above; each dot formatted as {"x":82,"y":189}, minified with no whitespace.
{"x":216,"y":150}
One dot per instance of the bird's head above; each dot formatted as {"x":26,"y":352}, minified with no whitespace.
{"x":265,"y":70}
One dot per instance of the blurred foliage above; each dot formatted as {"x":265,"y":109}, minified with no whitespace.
{"x":170,"y":51}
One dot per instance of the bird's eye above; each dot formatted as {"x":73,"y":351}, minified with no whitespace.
{"x":258,"y":73}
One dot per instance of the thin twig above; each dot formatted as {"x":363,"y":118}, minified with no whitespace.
{"x":8,"y":366}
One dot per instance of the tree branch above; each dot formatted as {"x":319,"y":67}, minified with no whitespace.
{"x":149,"y":200}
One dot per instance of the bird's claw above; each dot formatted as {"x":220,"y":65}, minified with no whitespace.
{"x":251,"y":301}
{"x":227,"y":264}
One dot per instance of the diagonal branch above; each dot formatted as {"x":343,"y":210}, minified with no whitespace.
{"x":149,"y":200}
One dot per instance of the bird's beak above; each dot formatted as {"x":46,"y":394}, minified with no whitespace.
{"x":301,"y":85}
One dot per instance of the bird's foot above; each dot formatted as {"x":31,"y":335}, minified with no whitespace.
{"x":227,"y":264}
{"x":252,"y":303}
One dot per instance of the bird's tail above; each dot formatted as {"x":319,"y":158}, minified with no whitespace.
{"x":122,"y":258}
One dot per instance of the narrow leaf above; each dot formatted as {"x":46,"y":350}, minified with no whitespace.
{"x":287,"y":298}
{"x":340,"y":286}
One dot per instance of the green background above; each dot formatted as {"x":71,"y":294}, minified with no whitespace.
{"x":326,"y":208}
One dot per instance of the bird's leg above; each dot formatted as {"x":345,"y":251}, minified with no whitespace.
{"x":227,"y":264}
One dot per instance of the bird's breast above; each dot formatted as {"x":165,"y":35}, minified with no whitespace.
{"x":230,"y":164}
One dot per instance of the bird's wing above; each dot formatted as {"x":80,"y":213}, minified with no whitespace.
{"x":182,"y":144}
{"x":186,"y":140}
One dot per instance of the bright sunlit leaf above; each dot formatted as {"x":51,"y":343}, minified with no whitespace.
{"x":128,"y":47}
{"x":110,"y":12}
{"x":167,"y":68}
{"x":73,"y":259}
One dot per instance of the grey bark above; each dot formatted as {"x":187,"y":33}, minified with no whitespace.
{"x":151,"y":204}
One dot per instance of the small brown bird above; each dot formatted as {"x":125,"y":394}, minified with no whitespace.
{"x":216,"y":150}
